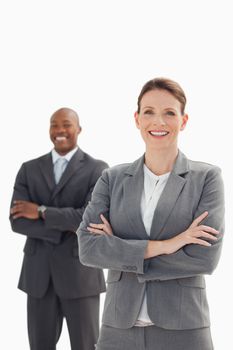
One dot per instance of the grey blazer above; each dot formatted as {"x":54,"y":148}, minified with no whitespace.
{"x":51,"y":249}
{"x":175,"y":284}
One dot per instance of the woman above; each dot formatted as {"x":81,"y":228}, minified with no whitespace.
{"x":157,"y":225}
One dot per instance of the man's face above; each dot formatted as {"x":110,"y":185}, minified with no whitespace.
{"x":64,"y":130}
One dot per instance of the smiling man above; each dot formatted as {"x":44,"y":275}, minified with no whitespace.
{"x":50,"y":195}
{"x":64,"y":130}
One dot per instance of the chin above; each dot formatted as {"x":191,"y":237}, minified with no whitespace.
{"x":62,"y":150}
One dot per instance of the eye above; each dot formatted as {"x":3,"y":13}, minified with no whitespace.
{"x":148,"y":112}
{"x":170,"y":113}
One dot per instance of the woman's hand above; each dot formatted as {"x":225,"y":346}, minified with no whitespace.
{"x":101,"y":229}
{"x":193,"y":235}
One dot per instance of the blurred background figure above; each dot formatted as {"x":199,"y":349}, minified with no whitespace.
{"x":49,"y":198}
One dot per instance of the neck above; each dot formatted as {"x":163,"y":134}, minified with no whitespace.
{"x":63,"y":153}
{"x":161,"y":161}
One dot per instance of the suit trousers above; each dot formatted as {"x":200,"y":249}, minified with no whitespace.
{"x":154,"y":338}
{"x":45,"y":318}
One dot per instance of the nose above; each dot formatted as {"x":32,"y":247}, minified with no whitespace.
{"x":158,"y":120}
{"x":60,"y":129}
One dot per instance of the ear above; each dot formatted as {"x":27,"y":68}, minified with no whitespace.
{"x":184,"y":121}
{"x":79,"y":130}
{"x":136,"y":118}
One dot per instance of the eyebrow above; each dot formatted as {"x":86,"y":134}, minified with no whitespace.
{"x":169,"y":108}
{"x":148,"y":107}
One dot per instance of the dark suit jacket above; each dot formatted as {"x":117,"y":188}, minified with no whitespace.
{"x":51,"y":249}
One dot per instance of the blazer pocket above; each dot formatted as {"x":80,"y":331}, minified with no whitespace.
{"x":30,"y":246}
{"x":114,"y":276}
{"x":196,"y":282}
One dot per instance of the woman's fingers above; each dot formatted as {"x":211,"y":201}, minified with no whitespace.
{"x":96,"y":231}
{"x":198,"y":235}
{"x":207,"y":235}
{"x":107,"y":226}
{"x":199,"y":219}
{"x":201,"y":242}
{"x":105,"y":221}
{"x":208,"y":229}
{"x":99,"y":226}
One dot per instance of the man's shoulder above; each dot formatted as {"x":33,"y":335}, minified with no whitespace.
{"x":94,"y":161}
{"x":37,"y":160}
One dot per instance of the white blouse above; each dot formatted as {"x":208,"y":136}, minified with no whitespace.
{"x":153,"y":188}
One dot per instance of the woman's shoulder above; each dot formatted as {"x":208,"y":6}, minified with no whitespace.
{"x":124,"y":169}
{"x":201,"y":165}
{"x":204,"y":168}
{"x":117,"y":170}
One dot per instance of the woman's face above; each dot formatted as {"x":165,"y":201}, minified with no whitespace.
{"x":160,"y":119}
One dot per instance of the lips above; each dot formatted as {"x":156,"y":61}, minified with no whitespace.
{"x":159,"y":133}
{"x":60,"y":138}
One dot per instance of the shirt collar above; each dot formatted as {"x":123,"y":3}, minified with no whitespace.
{"x":67,"y":156}
{"x":152,"y":176}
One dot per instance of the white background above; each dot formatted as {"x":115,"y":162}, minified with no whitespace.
{"x":94,"y":56}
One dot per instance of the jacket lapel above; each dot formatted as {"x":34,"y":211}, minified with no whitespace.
{"x":46,"y":167}
{"x":74,"y":165}
{"x":132,"y":193}
{"x":169,"y":195}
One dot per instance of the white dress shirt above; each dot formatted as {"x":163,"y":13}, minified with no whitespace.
{"x":153,"y":188}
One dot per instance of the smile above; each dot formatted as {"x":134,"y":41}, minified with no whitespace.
{"x":158,"y":133}
{"x":60,"y":138}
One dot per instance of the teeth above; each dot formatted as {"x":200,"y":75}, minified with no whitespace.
{"x":60,"y":138}
{"x":158,"y":133}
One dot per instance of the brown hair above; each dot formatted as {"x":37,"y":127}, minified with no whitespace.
{"x":164,"y":84}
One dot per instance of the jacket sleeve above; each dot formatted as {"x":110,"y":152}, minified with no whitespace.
{"x":69,"y":219}
{"x":104,"y":251}
{"x":28,"y":227}
{"x":194,"y":259}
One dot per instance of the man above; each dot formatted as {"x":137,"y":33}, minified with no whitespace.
{"x":50,"y":195}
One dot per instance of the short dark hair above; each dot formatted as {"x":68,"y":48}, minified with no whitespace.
{"x":164,"y":84}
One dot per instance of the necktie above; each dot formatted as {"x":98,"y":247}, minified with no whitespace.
{"x":59,"y":168}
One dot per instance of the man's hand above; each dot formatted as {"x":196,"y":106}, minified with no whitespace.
{"x":24,"y":209}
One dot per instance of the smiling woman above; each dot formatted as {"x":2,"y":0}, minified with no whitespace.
{"x":160,"y":117}
{"x":157,"y":225}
